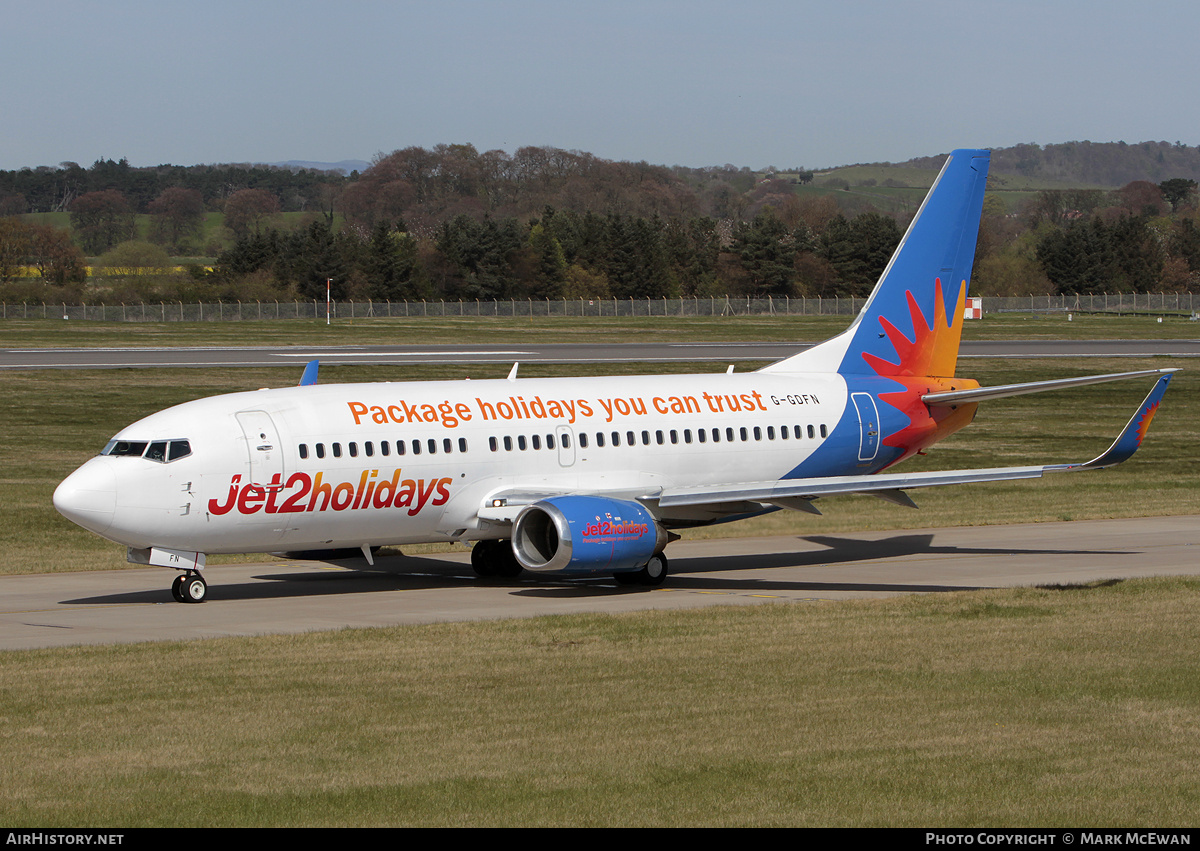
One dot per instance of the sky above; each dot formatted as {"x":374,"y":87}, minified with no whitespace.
{"x":752,"y":83}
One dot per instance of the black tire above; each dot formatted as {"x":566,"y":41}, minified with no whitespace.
{"x":194,"y":589}
{"x":177,"y":588}
{"x":481,"y":558}
{"x":495,"y":558}
{"x":655,"y":571}
{"x":505,"y":562}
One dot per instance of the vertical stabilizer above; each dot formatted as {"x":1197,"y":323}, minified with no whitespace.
{"x":912,"y":323}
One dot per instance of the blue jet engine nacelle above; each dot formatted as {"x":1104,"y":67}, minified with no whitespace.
{"x":586,"y":534}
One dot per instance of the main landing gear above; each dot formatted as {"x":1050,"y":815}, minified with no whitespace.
{"x":189,"y":587}
{"x":495,"y":558}
{"x":652,"y":575}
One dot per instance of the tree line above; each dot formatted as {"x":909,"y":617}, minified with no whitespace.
{"x":567,"y":254}
{"x":50,"y":190}
{"x":1139,"y":238}
{"x":455,"y":223}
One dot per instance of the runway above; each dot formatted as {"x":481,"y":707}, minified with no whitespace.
{"x":126,"y":606}
{"x":260,"y":356}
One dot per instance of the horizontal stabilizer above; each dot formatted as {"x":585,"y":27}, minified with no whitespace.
{"x":983,"y":394}
{"x":309,"y":377}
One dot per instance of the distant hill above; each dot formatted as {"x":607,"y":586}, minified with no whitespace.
{"x":1093,"y":164}
{"x":345,"y":166}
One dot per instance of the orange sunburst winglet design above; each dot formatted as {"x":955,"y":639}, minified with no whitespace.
{"x":1144,"y":425}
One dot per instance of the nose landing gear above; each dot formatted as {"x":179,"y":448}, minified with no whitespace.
{"x":189,"y":587}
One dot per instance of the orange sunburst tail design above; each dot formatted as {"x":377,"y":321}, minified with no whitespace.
{"x":933,"y":349}
{"x":922,"y":364}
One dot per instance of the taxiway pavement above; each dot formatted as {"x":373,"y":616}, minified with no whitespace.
{"x":260,"y":356}
{"x":132,"y":605}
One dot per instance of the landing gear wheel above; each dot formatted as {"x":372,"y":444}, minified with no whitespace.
{"x":651,"y":575}
{"x":655,"y":571}
{"x":177,"y":588}
{"x":505,"y":563}
{"x":494,"y":558}
{"x":481,"y":560}
{"x":194,"y":589}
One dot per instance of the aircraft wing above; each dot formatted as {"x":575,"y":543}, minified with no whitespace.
{"x":795,"y":493}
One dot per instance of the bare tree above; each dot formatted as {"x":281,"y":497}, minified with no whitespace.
{"x":102,"y":219}
{"x":247,"y":210}
{"x":177,"y":214}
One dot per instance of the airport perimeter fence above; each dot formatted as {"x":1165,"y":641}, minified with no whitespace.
{"x":1118,"y":303}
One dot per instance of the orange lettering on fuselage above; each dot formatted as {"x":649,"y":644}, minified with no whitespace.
{"x":448,"y":413}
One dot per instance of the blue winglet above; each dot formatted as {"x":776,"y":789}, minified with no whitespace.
{"x":1131,"y":437}
{"x":309,"y":377}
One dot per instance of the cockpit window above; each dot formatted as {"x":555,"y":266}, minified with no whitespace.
{"x":125,"y":447}
{"x":162,"y":451}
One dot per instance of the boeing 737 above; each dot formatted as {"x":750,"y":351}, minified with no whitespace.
{"x":573,"y":476}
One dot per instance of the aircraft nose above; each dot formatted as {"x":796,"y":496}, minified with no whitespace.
{"x":88,"y":497}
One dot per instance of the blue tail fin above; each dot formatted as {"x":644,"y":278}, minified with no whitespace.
{"x":912,"y":322}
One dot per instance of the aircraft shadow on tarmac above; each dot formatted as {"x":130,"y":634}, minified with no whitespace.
{"x":315,"y":579}
{"x":413,"y":573}
{"x":684,"y":571}
{"x":849,"y":550}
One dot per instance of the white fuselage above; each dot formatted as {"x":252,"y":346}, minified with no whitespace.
{"x":375,"y":464}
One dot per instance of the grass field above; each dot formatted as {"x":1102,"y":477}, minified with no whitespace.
{"x":212,"y":234}
{"x":1038,"y":707}
{"x":1054,"y":706}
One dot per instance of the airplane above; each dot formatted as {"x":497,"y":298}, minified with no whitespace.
{"x":573,"y":477}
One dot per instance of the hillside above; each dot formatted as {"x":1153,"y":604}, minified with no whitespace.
{"x":1100,"y":165}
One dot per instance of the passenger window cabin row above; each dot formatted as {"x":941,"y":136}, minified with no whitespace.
{"x":368,"y":449}
{"x":661,"y":437}
{"x":521,"y":442}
